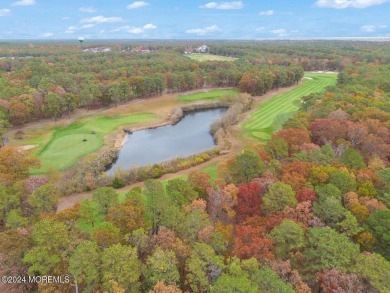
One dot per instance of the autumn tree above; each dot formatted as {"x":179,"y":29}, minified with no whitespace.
{"x":249,"y":200}
{"x":287,"y":237}
{"x":374,"y":268}
{"x":237,"y":277}
{"x":222,"y":203}
{"x":160,"y":287}
{"x":51,"y":240}
{"x":343,"y":181}
{"x":200,"y":182}
{"x":294,"y":137}
{"x":86,"y":212}
{"x":54,"y":106}
{"x":379,"y":225}
{"x":326,"y":249}
{"x":249,"y":243}
{"x":246,"y":166}
{"x":323,"y":156}
{"x":106,"y":234}
{"x":15,"y":164}
{"x":161,"y":266}
{"x":352,"y":159}
{"x":305,"y":194}
{"x":10,"y":199}
{"x":334,"y":281}
{"x":44,"y":199}
{"x":278,"y":196}
{"x":204,"y":267}
{"x":277,"y":148}
{"x":15,"y":219}
{"x":4,"y":124}
{"x":105,"y":198}
{"x":180,"y":191}
{"x":349,"y":226}
{"x":330,"y":210}
{"x":156,"y":203}
{"x":269,"y":281}
{"x":121,"y":265}
{"x":84,"y":265}
{"x":127,"y":216}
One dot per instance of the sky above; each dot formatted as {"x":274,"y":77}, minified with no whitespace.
{"x":193,"y":19}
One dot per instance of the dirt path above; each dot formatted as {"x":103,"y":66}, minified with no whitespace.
{"x":71,"y":200}
{"x":237,"y":139}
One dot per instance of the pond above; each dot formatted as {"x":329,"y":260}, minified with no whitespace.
{"x":189,"y":136}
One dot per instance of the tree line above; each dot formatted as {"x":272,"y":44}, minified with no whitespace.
{"x":308,"y":211}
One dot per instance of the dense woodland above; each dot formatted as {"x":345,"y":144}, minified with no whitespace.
{"x":306,"y":212}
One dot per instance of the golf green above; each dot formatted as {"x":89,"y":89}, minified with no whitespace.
{"x":84,"y":136}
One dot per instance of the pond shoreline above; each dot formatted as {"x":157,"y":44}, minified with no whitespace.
{"x":175,"y":117}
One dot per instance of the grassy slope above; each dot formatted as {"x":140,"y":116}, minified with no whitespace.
{"x":65,"y":145}
{"x":207,"y":95}
{"x":271,"y":115}
{"x":210,"y":57}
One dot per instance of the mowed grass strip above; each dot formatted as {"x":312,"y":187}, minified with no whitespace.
{"x":210,"y":57}
{"x":271,"y":115}
{"x":66,"y":144}
{"x":207,"y":95}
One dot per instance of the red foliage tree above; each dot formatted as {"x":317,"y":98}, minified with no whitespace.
{"x":334,"y":281}
{"x":302,"y":213}
{"x":201,"y":181}
{"x":296,"y":174}
{"x":249,"y":200}
{"x":294,"y":137}
{"x":249,"y":243}
{"x":325,"y":131}
{"x":305,"y":194}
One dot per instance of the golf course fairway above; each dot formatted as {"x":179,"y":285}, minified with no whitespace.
{"x":270,"y":116}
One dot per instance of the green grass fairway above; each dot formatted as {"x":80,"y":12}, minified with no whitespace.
{"x":270,"y":116}
{"x":66,"y":144}
{"x":212,"y":170}
{"x":210,"y":57}
{"x":207,"y":95}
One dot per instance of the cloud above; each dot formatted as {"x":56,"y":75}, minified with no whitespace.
{"x":138,"y":30}
{"x":223,"y":5}
{"x":204,"y":31}
{"x":268,"y":12}
{"x":279,"y":32}
{"x":65,"y":17}
{"x":71,"y":30}
{"x":150,"y":26}
{"x":260,"y":29}
{"x":47,"y":35}
{"x":341,"y":4}
{"x":4,"y":12}
{"x":24,"y":3}
{"x":383,"y":26}
{"x":368,"y":28}
{"x":137,"y":4}
{"x":101,"y":19}
{"x":135,"y":30}
{"x":88,"y":25}
{"x":87,"y":9}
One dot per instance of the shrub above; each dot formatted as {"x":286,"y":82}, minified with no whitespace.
{"x":117,"y":183}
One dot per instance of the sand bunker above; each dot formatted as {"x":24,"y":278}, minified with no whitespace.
{"x":28,"y":147}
